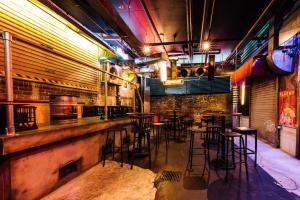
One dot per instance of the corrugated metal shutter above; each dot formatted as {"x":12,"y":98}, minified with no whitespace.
{"x":263,"y":108}
{"x":29,"y":60}
{"x":43,"y":45}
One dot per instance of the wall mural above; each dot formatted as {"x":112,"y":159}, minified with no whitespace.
{"x":288,"y":100}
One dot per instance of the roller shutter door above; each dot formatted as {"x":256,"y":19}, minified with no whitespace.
{"x":44,"y":48}
{"x":263,"y":108}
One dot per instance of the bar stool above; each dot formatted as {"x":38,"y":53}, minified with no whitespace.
{"x":140,"y":132}
{"x":213,"y":132}
{"x":229,"y":138}
{"x":187,"y":127}
{"x":245,"y":132}
{"x":157,"y":130}
{"x":167,"y":127}
{"x":192,"y":153}
{"x":110,"y":145}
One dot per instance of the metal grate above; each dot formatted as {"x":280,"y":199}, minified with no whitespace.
{"x":170,"y":176}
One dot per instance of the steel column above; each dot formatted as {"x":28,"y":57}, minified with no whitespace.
{"x":106,"y":68}
{"x":10,"y":128}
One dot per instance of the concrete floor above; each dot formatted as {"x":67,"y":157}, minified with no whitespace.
{"x":261,"y":185}
{"x":278,"y":164}
{"x":276,"y":176}
{"x":111,"y":182}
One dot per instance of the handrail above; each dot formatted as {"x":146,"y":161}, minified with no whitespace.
{"x":257,"y":22}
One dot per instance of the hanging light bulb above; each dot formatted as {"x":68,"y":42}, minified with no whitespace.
{"x":163,"y":70}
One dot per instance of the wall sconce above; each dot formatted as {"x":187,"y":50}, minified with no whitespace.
{"x":243,"y":92}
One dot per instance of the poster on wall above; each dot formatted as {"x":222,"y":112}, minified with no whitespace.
{"x":288,"y":100}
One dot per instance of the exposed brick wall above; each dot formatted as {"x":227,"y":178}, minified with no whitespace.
{"x":31,"y":91}
{"x":192,"y":105}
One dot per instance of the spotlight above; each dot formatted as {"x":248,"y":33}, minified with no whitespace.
{"x":146,"y":49}
{"x":206,"y":46}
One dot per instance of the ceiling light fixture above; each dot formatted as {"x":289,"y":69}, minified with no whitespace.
{"x":206,"y":46}
{"x":146,"y":49}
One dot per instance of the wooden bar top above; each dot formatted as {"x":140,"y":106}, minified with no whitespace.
{"x":54,"y":133}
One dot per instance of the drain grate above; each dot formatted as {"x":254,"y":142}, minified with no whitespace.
{"x":170,"y":176}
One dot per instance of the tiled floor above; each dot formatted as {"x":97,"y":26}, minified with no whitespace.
{"x":276,"y":177}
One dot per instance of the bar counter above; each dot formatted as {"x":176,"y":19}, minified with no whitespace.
{"x":54,"y":133}
{"x":34,"y":162}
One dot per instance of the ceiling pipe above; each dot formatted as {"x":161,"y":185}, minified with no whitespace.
{"x":153,"y":25}
{"x":191,"y":25}
{"x":202,"y":23}
{"x":210,"y":20}
{"x":195,"y":41}
{"x":118,"y":39}
{"x":256,"y":23}
{"x":188,"y":22}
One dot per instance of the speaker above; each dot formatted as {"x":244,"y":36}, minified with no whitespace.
{"x":211,"y":67}
{"x":186,"y":72}
{"x":199,"y":71}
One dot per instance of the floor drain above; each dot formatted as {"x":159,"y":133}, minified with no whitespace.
{"x":170,"y":176}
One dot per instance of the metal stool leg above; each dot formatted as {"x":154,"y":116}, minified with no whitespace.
{"x":113,"y":153}
{"x":133,"y":149}
{"x":121,"y":147}
{"x":245,"y":157}
{"x":149,"y":148}
{"x":226,"y":159}
{"x":232,"y":152}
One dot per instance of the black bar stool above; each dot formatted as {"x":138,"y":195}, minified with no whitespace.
{"x":140,"y":132}
{"x":213,"y":132}
{"x":245,"y":132}
{"x":229,"y":138}
{"x":187,"y":127}
{"x":157,"y":130}
{"x":200,"y":150}
{"x":167,"y":127}
{"x":110,"y":144}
